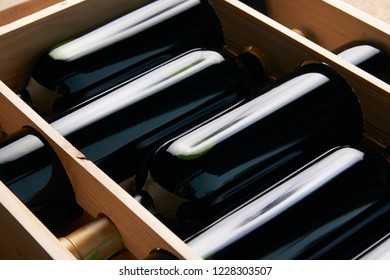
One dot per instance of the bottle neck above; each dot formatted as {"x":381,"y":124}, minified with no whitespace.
{"x":99,"y":239}
{"x":254,"y":66}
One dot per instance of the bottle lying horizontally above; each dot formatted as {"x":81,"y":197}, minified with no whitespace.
{"x":121,"y":127}
{"x":215,"y":167}
{"x":368,"y":57}
{"x":27,"y":162}
{"x":101,"y":240}
{"x":78,"y":69}
{"x":211,"y":169}
{"x":332,"y":208}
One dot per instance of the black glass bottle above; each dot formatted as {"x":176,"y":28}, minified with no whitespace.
{"x":331,"y":208}
{"x":219,"y":165}
{"x":118,"y":129}
{"x":78,"y":69}
{"x":34,"y":173}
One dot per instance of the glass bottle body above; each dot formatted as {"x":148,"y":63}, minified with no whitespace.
{"x":30,"y":168}
{"x":369,"y":58}
{"x":230,"y":158}
{"x":81,"y":68}
{"x":331,"y":208}
{"x":120,"y":128}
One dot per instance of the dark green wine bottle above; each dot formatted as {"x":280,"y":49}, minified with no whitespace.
{"x":120,"y":128}
{"x":332,"y":208}
{"x":213,"y":168}
{"x":78,"y":69}
{"x":34,"y":173}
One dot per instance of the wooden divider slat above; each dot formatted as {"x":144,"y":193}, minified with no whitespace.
{"x":329,"y":23}
{"x":16,"y":9}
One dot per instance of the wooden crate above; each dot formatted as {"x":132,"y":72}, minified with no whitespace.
{"x":330,"y":25}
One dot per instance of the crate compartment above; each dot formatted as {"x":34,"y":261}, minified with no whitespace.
{"x":96,"y":193}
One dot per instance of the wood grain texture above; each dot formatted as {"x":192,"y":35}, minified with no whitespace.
{"x":331,"y":24}
{"x":23,"y":39}
{"x":11,"y":10}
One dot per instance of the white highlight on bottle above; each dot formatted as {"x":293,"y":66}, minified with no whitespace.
{"x":267,"y":206}
{"x":140,"y":88}
{"x":358,"y":54}
{"x":205,"y":137}
{"x":124,"y":27}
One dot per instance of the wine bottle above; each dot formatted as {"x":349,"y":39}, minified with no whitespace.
{"x":78,"y":69}
{"x":202,"y":184}
{"x":121,"y":127}
{"x":368,"y":57}
{"x":329,"y":209}
{"x":380,"y":250}
{"x":218,"y":165}
{"x":97,"y":240}
{"x":132,"y":120}
{"x":33,"y":171}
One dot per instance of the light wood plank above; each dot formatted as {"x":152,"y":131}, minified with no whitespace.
{"x":329,"y":23}
{"x":11,"y":10}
